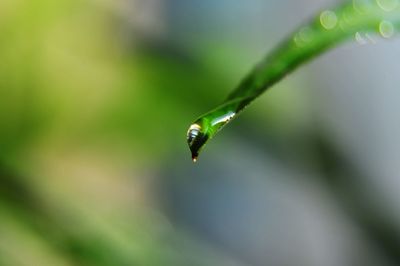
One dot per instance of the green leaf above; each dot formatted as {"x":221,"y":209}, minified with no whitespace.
{"x":329,"y":28}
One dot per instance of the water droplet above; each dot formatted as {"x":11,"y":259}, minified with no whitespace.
{"x":297,"y":40}
{"x":360,"y":39}
{"x":362,"y":6}
{"x":304,"y":36}
{"x":328,"y":19}
{"x":223,"y":119}
{"x":193,"y":132}
{"x":386,"y":29}
{"x":364,"y":38}
{"x":196,"y":138}
{"x":388,"y":5}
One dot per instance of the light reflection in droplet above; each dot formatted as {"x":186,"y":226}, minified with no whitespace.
{"x":328,"y":19}
{"x":386,"y":29}
{"x":388,"y":5}
{"x":223,"y":119}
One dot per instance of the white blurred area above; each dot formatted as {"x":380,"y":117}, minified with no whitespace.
{"x":357,"y":105}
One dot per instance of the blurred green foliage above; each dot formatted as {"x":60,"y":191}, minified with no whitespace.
{"x":81,"y":112}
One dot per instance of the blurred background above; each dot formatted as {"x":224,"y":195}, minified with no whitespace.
{"x":95,"y":100}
